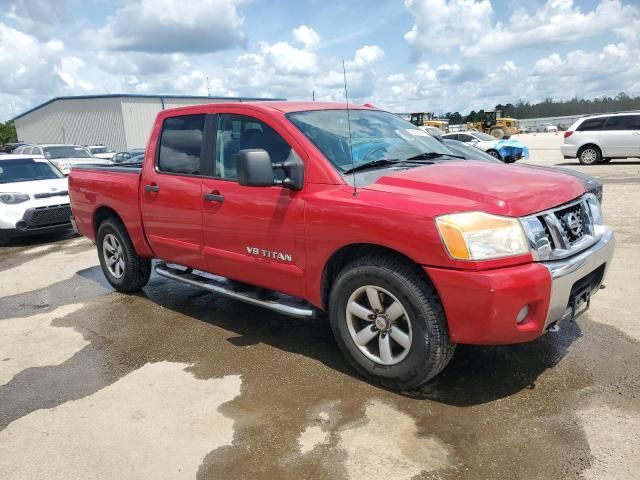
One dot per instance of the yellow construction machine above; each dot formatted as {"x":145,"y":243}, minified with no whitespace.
{"x":496,"y":125}
{"x":427,"y":119}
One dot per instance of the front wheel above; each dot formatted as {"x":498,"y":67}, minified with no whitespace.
{"x":494,"y":154}
{"x":389,"y":323}
{"x":121,"y":265}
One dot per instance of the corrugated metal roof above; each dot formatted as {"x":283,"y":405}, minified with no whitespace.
{"x":138,"y":95}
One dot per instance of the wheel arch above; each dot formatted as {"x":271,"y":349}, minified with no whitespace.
{"x":134,"y":231}
{"x":348,"y":253}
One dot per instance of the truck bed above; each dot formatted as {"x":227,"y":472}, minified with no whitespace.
{"x":96,"y":189}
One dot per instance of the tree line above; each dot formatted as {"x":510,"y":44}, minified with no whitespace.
{"x":553,"y":108}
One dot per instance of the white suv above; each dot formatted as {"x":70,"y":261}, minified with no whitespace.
{"x":599,"y":138}
{"x":34,"y":197}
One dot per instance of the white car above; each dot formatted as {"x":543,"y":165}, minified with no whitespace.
{"x":34,"y":197}
{"x":500,"y":149}
{"x":64,"y":157}
{"x":599,"y":138}
{"x":100,"y":151}
{"x":549,"y":127}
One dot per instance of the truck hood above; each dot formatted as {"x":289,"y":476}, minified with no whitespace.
{"x":49,"y":187}
{"x":475,"y":185}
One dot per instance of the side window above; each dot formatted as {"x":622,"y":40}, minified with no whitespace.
{"x":27,"y":151}
{"x":463,"y":137}
{"x":592,"y":124}
{"x":453,"y":136}
{"x":36,"y":151}
{"x":617,"y":122}
{"x":180,"y":144}
{"x":239,"y":132}
{"x":633,"y":122}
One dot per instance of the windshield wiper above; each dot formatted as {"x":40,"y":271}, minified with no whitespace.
{"x":381,"y":162}
{"x":431,"y":156}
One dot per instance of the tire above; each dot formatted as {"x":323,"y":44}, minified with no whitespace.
{"x":129,"y":272}
{"x":427,"y":347}
{"x":494,"y":154}
{"x":497,"y":133}
{"x":589,"y":155}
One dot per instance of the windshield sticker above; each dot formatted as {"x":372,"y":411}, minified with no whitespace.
{"x":417,"y":132}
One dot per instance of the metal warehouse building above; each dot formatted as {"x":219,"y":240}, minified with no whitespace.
{"x":120,"y":122}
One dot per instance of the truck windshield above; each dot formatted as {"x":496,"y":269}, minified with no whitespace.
{"x":375,"y":135}
{"x":27,"y":170}
{"x":66,"y":151}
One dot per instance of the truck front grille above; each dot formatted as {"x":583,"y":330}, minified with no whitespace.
{"x":561,"y":231}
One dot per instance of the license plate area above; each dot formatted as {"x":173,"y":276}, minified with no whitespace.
{"x":580,"y":297}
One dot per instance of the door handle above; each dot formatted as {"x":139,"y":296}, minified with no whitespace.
{"x":151,"y":188}
{"x":213,"y":197}
{"x":635,"y":133}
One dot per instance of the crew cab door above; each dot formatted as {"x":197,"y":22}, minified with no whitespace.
{"x":621,"y":136}
{"x":171,"y":191}
{"x":252,"y":234}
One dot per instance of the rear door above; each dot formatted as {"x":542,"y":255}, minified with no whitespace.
{"x":171,"y":191}
{"x":618,"y":138}
{"x":253,"y":234}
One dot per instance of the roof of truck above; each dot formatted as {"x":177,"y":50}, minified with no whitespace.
{"x":284,"y":106}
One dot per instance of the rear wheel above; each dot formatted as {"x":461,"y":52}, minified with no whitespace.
{"x":389,"y":323}
{"x":589,"y":155}
{"x":121,"y":265}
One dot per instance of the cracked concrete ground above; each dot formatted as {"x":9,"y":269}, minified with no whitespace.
{"x":178,"y":383}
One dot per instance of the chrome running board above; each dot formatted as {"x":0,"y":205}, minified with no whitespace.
{"x":278,"y":302}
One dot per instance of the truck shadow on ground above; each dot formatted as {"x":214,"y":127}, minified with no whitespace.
{"x":476,"y":375}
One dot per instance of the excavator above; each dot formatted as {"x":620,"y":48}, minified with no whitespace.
{"x":427,"y":119}
{"x":496,"y":125}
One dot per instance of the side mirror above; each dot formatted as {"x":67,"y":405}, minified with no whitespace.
{"x":255,"y":169}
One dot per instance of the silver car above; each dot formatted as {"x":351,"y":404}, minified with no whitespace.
{"x":599,"y":138}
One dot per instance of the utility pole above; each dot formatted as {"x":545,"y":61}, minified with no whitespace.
{"x":208,"y":87}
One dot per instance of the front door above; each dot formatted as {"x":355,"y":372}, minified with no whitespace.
{"x":171,"y":192}
{"x":252,"y":234}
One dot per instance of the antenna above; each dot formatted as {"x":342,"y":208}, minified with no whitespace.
{"x":346,"y":97}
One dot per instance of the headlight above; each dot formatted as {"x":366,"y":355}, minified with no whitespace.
{"x":13,"y":198}
{"x":63,"y":166}
{"x":481,"y":236}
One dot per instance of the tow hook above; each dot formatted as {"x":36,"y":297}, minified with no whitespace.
{"x":555,"y":328}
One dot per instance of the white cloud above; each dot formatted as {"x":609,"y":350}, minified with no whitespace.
{"x":307,"y":36}
{"x":167,"y":26}
{"x":442,"y":24}
{"x":556,"y":22}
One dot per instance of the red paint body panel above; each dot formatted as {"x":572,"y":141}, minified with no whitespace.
{"x":311,"y":225}
{"x":482,"y":307}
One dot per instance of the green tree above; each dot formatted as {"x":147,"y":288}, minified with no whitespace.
{"x":8,"y":132}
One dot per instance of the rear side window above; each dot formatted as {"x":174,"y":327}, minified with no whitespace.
{"x":623,"y":122}
{"x":181,"y":144}
{"x":463,"y":137}
{"x":592,"y":124}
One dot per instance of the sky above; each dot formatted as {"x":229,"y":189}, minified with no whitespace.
{"x":404,"y":56}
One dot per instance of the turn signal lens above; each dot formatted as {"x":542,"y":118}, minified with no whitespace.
{"x":481,"y":236}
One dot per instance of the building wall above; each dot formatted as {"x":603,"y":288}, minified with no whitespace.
{"x":79,"y":121}
{"x":119,"y":123}
{"x":138,"y":115}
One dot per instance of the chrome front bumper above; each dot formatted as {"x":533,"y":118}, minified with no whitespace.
{"x":566,"y":272}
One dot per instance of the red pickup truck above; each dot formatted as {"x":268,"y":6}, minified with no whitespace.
{"x":312,"y":207}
